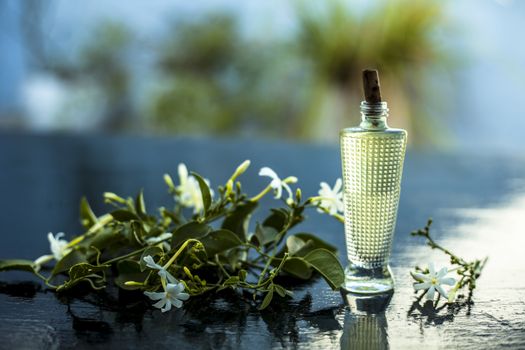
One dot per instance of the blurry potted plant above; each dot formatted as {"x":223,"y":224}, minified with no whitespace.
{"x":396,"y":37}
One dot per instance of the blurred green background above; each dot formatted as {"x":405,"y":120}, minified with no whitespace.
{"x":277,"y":69}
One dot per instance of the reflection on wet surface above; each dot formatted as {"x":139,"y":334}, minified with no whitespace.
{"x":499,"y":233}
{"x":496,"y":315}
{"x":365,"y":332}
{"x":366,"y":304}
{"x":477,"y":211}
{"x":427,"y":312}
{"x":365,"y":324}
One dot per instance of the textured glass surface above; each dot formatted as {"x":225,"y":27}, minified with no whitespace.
{"x":372,"y":169}
{"x":365,"y":332}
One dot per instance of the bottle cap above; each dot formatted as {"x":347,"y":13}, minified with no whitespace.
{"x":371,"y":86}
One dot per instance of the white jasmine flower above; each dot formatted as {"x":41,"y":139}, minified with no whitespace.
{"x":154,"y":240}
{"x":189,"y":191}
{"x":332,"y":198}
{"x":432,"y":281}
{"x":277,"y":184}
{"x":58,"y":245}
{"x":163,"y":273}
{"x":172,"y":295}
{"x":58,"y":249}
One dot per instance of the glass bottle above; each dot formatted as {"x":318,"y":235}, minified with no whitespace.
{"x":372,"y":159}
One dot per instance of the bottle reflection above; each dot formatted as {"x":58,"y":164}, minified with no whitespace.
{"x":365,"y":325}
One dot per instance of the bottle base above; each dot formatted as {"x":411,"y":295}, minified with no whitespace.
{"x":359,"y":280}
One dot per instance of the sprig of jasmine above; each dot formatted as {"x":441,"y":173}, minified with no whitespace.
{"x":427,"y":279}
{"x":204,"y":242}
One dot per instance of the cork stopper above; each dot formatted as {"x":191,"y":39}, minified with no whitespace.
{"x":371,"y":86}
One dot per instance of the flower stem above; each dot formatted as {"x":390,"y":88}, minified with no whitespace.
{"x":310,"y":202}
{"x":274,"y":250}
{"x":182,"y":247}
{"x":123,"y":257}
{"x":337,"y":216}
{"x":101,"y":222}
{"x":469,"y":272}
{"x":434,"y":245}
{"x":263,"y":254}
{"x":252,"y":264}
{"x":221,"y":267}
{"x":261,"y":194}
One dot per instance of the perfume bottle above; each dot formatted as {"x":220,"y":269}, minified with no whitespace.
{"x":372,"y":159}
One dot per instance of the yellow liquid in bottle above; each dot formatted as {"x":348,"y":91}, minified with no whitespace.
{"x":372,"y":168}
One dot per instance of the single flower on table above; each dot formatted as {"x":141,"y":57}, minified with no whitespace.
{"x":433,"y":281}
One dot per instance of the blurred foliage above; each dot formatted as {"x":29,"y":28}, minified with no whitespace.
{"x":105,"y":54}
{"x":214,"y":81}
{"x":97,"y":79}
{"x":393,"y":37}
{"x":397,"y":37}
{"x":104,"y":60}
{"x":208,"y":77}
{"x":203,"y":47}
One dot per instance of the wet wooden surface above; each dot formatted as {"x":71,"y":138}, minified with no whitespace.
{"x":477,"y":202}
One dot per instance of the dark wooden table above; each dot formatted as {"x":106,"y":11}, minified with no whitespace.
{"x":477,"y":202}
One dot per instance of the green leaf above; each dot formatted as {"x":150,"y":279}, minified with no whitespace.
{"x":327,"y":264}
{"x":277,"y":219}
{"x":316,"y":242}
{"x":231,"y":281}
{"x":294,"y":244}
{"x":101,"y":222}
{"x":239,"y":219}
{"x":267,"y":298}
{"x":17,"y":264}
{"x":233,"y":256}
{"x":74,"y":257}
{"x":205,"y":192}
{"x":264,"y":235}
{"x":129,"y":270}
{"x":297,"y":267}
{"x":280,"y":290}
{"x":283,"y":292}
{"x":301,"y":244}
{"x":219,"y":241}
{"x":140,"y":206}
{"x":242,"y":275}
{"x":85,"y":272}
{"x":123,"y":215}
{"x":84,"y":269}
{"x":137,"y":232}
{"x":177,"y":217}
{"x":103,"y":239}
{"x":192,"y":229}
{"x":87,"y":217}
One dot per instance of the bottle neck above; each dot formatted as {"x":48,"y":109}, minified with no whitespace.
{"x":373,"y":116}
